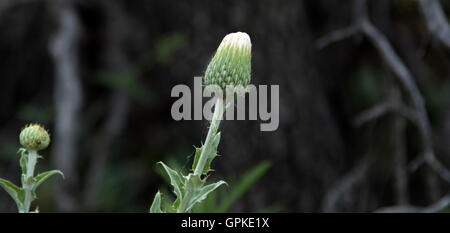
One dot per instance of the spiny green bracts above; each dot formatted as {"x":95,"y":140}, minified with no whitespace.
{"x":34,"y":137}
{"x":231,"y":65}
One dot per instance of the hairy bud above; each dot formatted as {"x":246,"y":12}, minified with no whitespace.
{"x":34,"y":137}
{"x":231,"y":65}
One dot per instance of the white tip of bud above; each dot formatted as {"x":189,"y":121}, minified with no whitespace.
{"x":231,"y":64}
{"x":240,"y":40}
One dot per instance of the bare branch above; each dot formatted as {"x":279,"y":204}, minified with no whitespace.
{"x":406,"y":79}
{"x":344,"y":185}
{"x":381,"y":109}
{"x":438,"y":167}
{"x":436,"y":207}
{"x":115,"y":59}
{"x":102,"y":151}
{"x":392,"y":104}
{"x":336,"y":36}
{"x":398,"y":148}
{"x":436,"y":20}
{"x":68,"y":100}
{"x":372,"y":113}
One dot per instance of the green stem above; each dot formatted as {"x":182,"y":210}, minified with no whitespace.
{"x":27,"y":185}
{"x":215,"y":122}
{"x":184,"y":203}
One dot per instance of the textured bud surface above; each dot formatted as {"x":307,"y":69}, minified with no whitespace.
{"x":34,"y":137}
{"x":231,"y":65}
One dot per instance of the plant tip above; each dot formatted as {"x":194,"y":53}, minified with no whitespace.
{"x":34,"y":137}
{"x":231,"y":64}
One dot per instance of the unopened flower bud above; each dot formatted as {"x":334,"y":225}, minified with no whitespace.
{"x":34,"y":137}
{"x":231,"y":65}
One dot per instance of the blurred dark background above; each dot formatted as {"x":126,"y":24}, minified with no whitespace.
{"x":352,"y":136}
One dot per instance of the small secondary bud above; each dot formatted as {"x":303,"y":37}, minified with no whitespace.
{"x":34,"y":137}
{"x":231,"y":65}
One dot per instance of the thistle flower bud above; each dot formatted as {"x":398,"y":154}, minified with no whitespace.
{"x":231,"y":65}
{"x":34,"y":137}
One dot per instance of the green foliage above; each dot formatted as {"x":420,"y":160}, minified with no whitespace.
{"x":210,"y":202}
{"x":167,"y":46}
{"x":23,"y":196}
{"x":222,"y":201}
{"x":39,"y":179}
{"x":233,"y":57}
{"x":177,"y":180}
{"x":210,"y":156}
{"x":16,"y":193}
{"x":171,"y":162}
{"x":156,"y":205}
{"x":200,"y":192}
{"x":189,"y":191}
{"x":23,"y":161}
{"x":114,"y":194}
{"x":126,"y":82}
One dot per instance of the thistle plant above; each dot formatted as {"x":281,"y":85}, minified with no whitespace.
{"x":33,"y":138}
{"x":229,"y":70}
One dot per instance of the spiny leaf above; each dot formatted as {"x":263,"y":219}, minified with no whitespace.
{"x":23,"y":160}
{"x":156,"y":205}
{"x":211,"y":155}
{"x":201,"y":193}
{"x":209,"y":205}
{"x":193,"y":186}
{"x":198,"y":152}
{"x":176,"y":180}
{"x":39,"y":179}
{"x":16,"y":193}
